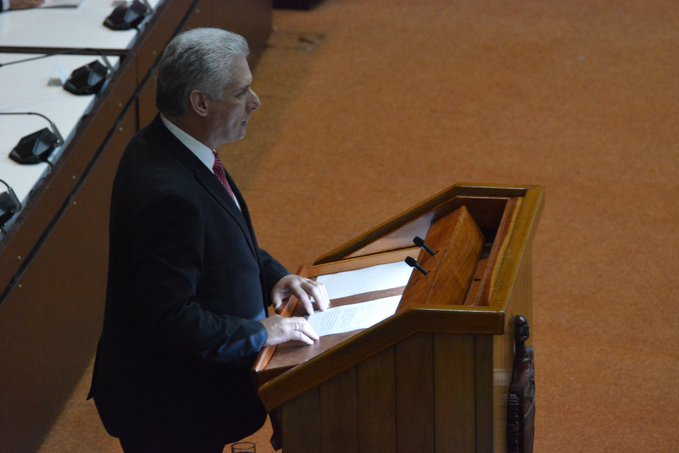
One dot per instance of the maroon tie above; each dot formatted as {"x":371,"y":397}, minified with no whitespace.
{"x":220,"y":173}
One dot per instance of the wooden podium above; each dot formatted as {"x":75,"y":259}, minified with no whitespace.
{"x":434,"y":376}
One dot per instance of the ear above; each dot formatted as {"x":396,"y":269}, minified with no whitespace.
{"x":199,"y":103}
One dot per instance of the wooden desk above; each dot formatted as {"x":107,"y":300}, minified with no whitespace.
{"x":53,"y":261}
{"x":433,"y":377}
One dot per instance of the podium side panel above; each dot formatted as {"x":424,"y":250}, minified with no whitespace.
{"x":301,"y":424}
{"x":415,"y":394}
{"x":483,"y":381}
{"x":520,"y":303}
{"x":455,"y":406}
{"x":376,"y":403}
{"x":338,"y":413}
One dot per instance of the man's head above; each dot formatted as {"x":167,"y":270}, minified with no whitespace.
{"x":204,"y":85}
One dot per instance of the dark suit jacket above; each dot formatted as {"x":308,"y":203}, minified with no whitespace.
{"x":187,"y":283}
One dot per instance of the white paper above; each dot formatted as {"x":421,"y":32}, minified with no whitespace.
{"x":346,"y":318}
{"x":374,"y":278}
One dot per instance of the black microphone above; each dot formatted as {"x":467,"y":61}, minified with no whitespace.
{"x":37,"y":146}
{"x":9,"y":205}
{"x":84,"y":80}
{"x":89,"y":78}
{"x":420,"y":243}
{"x":126,"y":17}
{"x":412,"y":262}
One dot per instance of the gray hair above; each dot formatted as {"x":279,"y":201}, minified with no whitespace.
{"x":199,"y":59}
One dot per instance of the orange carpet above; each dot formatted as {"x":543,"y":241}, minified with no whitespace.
{"x":370,"y":106}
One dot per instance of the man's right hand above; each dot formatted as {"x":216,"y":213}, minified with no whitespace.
{"x":25,"y":4}
{"x":281,"y":330}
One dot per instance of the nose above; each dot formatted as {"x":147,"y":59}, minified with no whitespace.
{"x":253,"y":103}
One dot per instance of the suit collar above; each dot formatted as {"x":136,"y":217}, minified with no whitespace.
{"x":202,"y":152}
{"x":207,"y":180}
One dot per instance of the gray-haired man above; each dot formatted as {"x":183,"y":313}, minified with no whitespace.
{"x":188,"y":285}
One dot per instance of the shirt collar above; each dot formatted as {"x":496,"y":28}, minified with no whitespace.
{"x":202,"y":152}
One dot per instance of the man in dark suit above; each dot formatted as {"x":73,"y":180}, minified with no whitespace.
{"x":188,"y":285}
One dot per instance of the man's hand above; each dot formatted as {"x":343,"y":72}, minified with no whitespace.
{"x":282,"y":330}
{"x":25,"y":4}
{"x":309,"y":292}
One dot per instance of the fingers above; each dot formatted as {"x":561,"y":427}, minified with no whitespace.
{"x":279,"y":295}
{"x":281,"y":330}
{"x":299,"y":329}
{"x":319,"y":293}
{"x":277,"y":301}
{"x":303,"y":326}
{"x":308,"y":292}
{"x":303,"y":297}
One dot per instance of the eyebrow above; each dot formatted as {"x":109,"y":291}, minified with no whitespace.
{"x":244,"y":87}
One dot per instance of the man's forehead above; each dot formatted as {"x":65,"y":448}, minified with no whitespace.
{"x":242,"y":76}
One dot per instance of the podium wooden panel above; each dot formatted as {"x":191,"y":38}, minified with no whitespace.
{"x":434,"y":376}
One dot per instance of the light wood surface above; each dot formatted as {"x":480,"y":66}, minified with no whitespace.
{"x":426,"y":379}
{"x":360,"y":262}
{"x":362,"y":345}
{"x":455,"y":411}
{"x":376,"y":390}
{"x":483,"y":391}
{"x":414,"y":394}
{"x":398,"y":231}
{"x":497,"y":251}
{"x":339,"y":405}
{"x":300,"y":424}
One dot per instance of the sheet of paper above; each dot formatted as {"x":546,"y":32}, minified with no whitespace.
{"x":374,"y":278}
{"x":346,"y":318}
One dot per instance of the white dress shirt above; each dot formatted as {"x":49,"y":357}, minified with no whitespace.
{"x":202,"y":152}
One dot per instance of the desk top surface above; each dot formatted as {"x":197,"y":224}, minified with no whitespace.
{"x":80,"y":27}
{"x":25,"y":89}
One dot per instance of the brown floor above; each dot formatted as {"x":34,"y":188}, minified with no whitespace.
{"x":369,"y":106}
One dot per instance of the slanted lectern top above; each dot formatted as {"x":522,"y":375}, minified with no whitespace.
{"x":434,"y":376}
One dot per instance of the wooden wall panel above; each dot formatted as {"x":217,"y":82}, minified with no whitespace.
{"x":302,"y":424}
{"x":376,"y":404}
{"x":201,"y":15}
{"x":415,"y":394}
{"x":338,"y":413}
{"x":147,"y":101}
{"x":455,"y":411}
{"x":51,"y":320}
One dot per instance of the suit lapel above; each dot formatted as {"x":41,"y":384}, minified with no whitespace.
{"x":219,"y":193}
{"x":244,"y":208}
{"x":208,"y":181}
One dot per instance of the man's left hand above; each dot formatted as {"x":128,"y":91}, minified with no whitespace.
{"x":309,"y":293}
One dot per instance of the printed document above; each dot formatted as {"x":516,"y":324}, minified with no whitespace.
{"x":346,"y":318}
{"x":368,"y":279}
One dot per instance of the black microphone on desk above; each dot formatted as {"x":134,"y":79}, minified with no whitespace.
{"x":418,"y":241}
{"x":412,"y":262}
{"x":9,"y":205}
{"x":89,"y":78}
{"x":126,"y":17}
{"x":37,"y":146}
{"x":84,"y":80}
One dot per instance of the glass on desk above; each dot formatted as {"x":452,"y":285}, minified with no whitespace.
{"x":243,"y":447}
